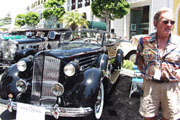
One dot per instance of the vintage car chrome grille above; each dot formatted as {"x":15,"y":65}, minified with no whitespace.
{"x":86,"y":62}
{"x":45,"y":75}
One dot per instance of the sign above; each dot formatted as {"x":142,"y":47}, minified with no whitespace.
{"x":29,"y":112}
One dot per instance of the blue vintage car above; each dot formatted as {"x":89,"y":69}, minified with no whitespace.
{"x":69,"y":81}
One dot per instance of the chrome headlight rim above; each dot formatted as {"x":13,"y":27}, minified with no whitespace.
{"x":21,"y":85}
{"x":6,"y":55}
{"x":69,"y":69}
{"x":57,"y":89}
{"x":13,"y":48}
{"x":21,"y":65}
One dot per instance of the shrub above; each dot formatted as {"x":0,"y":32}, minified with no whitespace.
{"x":127,"y":64}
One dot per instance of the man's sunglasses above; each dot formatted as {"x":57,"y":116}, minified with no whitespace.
{"x":167,"y":22}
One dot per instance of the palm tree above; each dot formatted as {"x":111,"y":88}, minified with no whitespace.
{"x":74,"y":20}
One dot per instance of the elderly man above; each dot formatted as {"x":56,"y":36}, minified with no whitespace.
{"x":158,"y":59}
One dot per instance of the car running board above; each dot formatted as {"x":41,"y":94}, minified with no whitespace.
{"x":115,"y":75}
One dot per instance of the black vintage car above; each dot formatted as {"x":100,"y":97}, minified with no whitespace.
{"x":70,"y":81}
{"x":13,"y":50}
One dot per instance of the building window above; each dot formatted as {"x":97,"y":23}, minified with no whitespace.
{"x":139,"y":21}
{"x":68,"y":5}
{"x":73,"y":5}
{"x":39,"y":2}
{"x":57,"y":25}
{"x":41,"y":16}
{"x":79,"y":3}
{"x":84,"y":15}
{"x":42,"y":1}
{"x":36,"y":3}
{"x":87,"y":2}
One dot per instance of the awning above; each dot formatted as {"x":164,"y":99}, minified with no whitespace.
{"x":97,"y":25}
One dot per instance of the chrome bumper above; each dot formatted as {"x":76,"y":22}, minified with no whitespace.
{"x":54,"y":111}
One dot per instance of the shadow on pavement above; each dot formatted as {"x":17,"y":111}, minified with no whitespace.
{"x":6,"y":115}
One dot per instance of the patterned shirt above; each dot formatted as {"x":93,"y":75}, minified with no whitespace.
{"x":150,"y":60}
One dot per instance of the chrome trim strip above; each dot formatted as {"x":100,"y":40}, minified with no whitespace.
{"x":62,"y":111}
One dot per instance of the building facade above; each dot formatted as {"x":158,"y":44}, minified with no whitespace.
{"x":80,"y":6}
{"x":140,"y":18}
{"x":138,"y":21}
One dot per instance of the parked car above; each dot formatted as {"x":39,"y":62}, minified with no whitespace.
{"x":13,"y":50}
{"x":18,"y":34}
{"x":129,"y":47}
{"x":69,"y":81}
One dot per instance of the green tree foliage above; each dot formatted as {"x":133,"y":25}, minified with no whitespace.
{"x":32,"y":19}
{"x":110,"y":9}
{"x":6,"y":20}
{"x":54,"y":9}
{"x":1,"y":24}
{"x":74,"y":20}
{"x":20,"y":20}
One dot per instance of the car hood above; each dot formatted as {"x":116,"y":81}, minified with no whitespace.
{"x":72,"y":52}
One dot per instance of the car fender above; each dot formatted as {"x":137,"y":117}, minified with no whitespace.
{"x":11,"y":75}
{"x":130,"y":53}
{"x":8,"y":82}
{"x":24,"y":53}
{"x":85,"y":93}
{"x":118,"y":59}
{"x":103,"y":61}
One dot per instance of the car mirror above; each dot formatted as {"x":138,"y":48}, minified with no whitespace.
{"x":68,"y":36}
{"x":28,"y":34}
{"x":51,"y":35}
{"x":45,"y":38}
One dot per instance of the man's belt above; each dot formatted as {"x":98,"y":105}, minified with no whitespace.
{"x":162,"y":80}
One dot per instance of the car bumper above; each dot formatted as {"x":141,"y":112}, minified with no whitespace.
{"x":54,"y":111}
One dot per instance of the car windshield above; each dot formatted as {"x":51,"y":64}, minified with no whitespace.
{"x":80,"y":39}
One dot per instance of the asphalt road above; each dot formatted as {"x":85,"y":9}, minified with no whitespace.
{"x":118,"y":107}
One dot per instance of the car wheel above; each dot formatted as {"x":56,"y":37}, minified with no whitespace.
{"x":98,"y":107}
{"x":132,"y":57}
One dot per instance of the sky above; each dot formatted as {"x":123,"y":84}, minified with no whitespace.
{"x":13,"y":7}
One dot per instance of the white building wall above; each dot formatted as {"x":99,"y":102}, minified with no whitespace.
{"x":84,"y":9}
{"x":156,"y":5}
{"x":122,"y":26}
{"x":89,"y":14}
{"x":39,"y":9}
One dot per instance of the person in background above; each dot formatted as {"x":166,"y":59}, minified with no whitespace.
{"x":158,"y":59}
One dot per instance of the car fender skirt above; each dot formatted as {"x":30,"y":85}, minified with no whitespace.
{"x":8,"y":80}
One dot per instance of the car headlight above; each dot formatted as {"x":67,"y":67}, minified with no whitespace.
{"x":21,"y":65}
{"x":13,"y":48}
{"x":57,"y":89}
{"x":6,"y":55}
{"x":21,"y":85}
{"x":69,"y":69}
